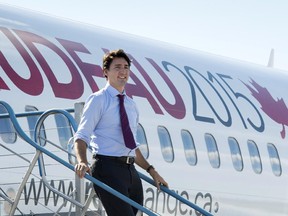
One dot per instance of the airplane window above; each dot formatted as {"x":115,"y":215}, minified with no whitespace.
{"x":7,"y":130}
{"x":235,"y":154}
{"x":166,"y":144}
{"x":189,"y":147}
{"x":64,"y":130}
{"x":274,"y":159}
{"x":141,"y":138}
{"x":32,"y":122}
{"x":254,"y":157}
{"x":212,"y":150}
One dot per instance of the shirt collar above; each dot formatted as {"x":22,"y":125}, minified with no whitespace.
{"x":112,"y":91}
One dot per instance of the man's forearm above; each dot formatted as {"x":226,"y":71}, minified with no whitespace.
{"x":80,"y":151}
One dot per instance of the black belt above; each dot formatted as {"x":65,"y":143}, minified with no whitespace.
{"x":123,"y":159}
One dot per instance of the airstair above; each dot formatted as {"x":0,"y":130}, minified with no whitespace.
{"x":40,"y":164}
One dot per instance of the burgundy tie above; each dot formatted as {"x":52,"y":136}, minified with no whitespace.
{"x":126,"y":130}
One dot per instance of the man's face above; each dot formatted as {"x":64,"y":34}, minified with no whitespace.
{"x":118,"y":73}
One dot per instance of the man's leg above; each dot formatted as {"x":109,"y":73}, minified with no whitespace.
{"x":136,"y":189}
{"x":117,"y":176}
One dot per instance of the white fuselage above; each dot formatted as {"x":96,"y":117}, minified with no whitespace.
{"x":49,"y":63}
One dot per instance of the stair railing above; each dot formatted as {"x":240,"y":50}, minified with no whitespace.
{"x":38,"y":156}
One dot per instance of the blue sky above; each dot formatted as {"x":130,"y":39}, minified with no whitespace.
{"x":246,"y":30}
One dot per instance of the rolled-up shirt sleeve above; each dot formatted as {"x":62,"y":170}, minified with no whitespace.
{"x":90,"y":118}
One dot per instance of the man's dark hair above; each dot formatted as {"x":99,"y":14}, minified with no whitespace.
{"x":108,"y":58}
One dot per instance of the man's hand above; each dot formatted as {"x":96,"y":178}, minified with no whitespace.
{"x":158,"y":179}
{"x":81,"y":169}
{"x":82,"y":166}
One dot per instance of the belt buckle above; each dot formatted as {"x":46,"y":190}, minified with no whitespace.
{"x":129,"y":160}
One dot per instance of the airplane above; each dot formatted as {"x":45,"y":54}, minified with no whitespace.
{"x":214,"y":127}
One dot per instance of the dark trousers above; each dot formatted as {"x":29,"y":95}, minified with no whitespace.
{"x":121,"y":177}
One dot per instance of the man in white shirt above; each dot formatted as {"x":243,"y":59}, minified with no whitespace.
{"x":114,"y":161}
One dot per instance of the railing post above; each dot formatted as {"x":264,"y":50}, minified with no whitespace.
{"x":78,"y":110}
{"x":79,"y":183}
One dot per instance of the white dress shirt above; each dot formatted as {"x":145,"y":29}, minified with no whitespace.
{"x":100,"y":126}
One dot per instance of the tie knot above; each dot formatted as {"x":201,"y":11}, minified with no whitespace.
{"x":121,"y":97}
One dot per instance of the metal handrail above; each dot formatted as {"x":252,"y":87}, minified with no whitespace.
{"x":73,"y":123}
{"x":37,"y":139}
{"x":8,"y":199}
{"x":175,"y":195}
{"x":30,"y":113}
{"x":23,"y":135}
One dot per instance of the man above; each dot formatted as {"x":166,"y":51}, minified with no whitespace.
{"x":103,"y":120}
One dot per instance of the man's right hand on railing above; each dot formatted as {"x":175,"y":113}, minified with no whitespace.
{"x":82,"y":166}
{"x":81,"y":169}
